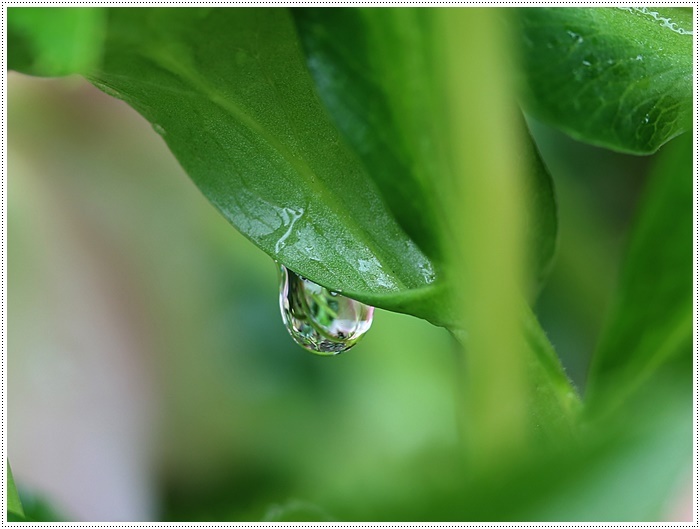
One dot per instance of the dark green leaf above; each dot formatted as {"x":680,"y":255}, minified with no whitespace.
{"x":377,"y":73}
{"x":616,"y":77}
{"x":357,"y":57}
{"x":238,"y":110}
{"x":51,"y":41}
{"x":651,"y":322}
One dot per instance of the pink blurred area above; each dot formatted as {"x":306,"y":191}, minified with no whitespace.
{"x":83,"y":383}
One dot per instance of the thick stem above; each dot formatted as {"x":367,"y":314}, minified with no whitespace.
{"x":485,"y":198}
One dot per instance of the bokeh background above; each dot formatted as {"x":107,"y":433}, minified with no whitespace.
{"x":150,"y":376}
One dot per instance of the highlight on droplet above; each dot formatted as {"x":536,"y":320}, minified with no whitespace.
{"x":321,"y":321}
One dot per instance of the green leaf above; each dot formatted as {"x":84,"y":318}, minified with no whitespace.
{"x":54,"y":41}
{"x":376,"y":72}
{"x":14,"y":505}
{"x":619,"y":78}
{"x":651,"y":321}
{"x":239,"y":112}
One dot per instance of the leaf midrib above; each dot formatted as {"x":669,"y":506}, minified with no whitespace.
{"x":192,"y":78}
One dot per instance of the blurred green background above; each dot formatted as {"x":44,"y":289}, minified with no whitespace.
{"x":150,"y":376}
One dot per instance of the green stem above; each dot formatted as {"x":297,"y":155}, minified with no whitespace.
{"x":485,"y":201}
{"x":515,"y":390}
{"x":552,"y":403}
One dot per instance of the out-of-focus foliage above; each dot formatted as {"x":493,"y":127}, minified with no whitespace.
{"x":51,"y":41}
{"x":651,"y":320}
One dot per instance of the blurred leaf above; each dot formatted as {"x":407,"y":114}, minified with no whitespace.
{"x":376,"y":72}
{"x":38,"y":508}
{"x":238,"y":110}
{"x":629,"y":465}
{"x":623,"y":469}
{"x":296,"y":511}
{"x":651,"y":321}
{"x":14,"y":505}
{"x":51,"y":41}
{"x":620,"y":78}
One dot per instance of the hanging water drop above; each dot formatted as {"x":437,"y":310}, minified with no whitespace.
{"x":324,"y":322}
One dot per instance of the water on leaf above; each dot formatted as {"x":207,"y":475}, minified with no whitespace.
{"x":321,"y":321}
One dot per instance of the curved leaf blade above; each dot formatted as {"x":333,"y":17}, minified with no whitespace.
{"x":619,"y":78}
{"x":651,"y":322}
{"x":238,"y":110}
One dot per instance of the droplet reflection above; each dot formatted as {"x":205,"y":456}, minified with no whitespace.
{"x":321,"y":321}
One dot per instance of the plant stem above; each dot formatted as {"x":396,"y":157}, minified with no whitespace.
{"x":487,"y":262}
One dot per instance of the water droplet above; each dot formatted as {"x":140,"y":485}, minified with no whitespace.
{"x":324,"y":322}
{"x":578,"y":39}
{"x":289,"y":216}
{"x":664,"y":21}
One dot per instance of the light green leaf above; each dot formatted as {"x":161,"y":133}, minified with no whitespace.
{"x":628,"y":467}
{"x":651,"y":321}
{"x":51,"y":41}
{"x":14,"y":505}
{"x":623,"y":469}
{"x":619,"y":78}
{"x":238,"y":110}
